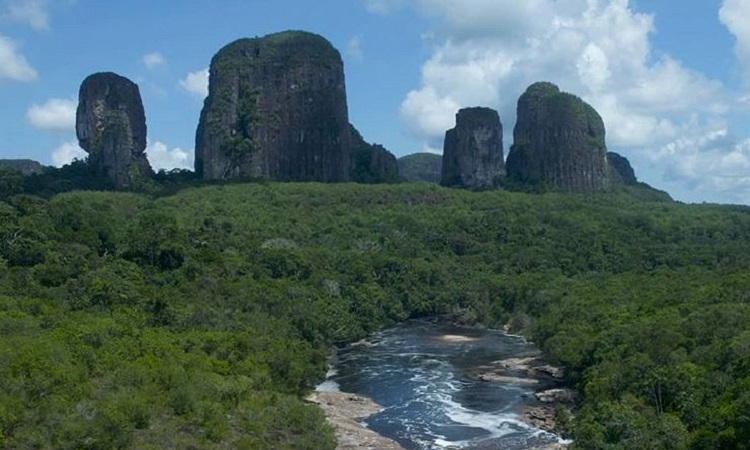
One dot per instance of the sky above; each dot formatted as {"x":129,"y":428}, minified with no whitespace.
{"x":671,"y":79}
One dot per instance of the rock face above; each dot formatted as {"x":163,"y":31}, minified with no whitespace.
{"x":371,"y":163}
{"x":558,"y":142}
{"x":344,"y":412}
{"x":276,"y":109}
{"x":473,"y":150}
{"x":621,"y":169}
{"x":23,"y":166}
{"x":111,"y":127}
{"x":420,"y":167}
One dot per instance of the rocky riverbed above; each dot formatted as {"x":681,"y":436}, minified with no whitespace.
{"x":532,"y":371}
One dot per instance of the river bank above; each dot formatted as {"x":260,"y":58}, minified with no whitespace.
{"x":343,"y":412}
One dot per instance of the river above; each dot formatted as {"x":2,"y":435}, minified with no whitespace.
{"x":417,"y":373}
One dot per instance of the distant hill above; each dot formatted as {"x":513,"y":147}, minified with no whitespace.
{"x":417,"y":167}
{"x":25,"y":166}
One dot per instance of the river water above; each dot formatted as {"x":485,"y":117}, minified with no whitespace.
{"x":420,"y":379}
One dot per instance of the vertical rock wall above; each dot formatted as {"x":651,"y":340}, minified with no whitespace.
{"x":558,"y":142}
{"x":111,"y":127}
{"x":276,"y":109}
{"x":473,"y":150}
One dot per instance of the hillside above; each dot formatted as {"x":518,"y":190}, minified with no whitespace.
{"x":201,"y":318}
{"x":418,"y":167}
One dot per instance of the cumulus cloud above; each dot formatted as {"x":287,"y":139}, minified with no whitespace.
{"x":66,"y":153}
{"x":655,"y":107}
{"x":161,"y":157}
{"x":432,"y":113}
{"x":712,"y":164}
{"x":153,"y":60}
{"x":13,"y":65}
{"x":196,"y":83}
{"x":383,"y":7}
{"x":488,"y":51}
{"x":56,"y":114}
{"x":30,"y":12}
{"x":734,"y":15}
{"x":354,"y":49}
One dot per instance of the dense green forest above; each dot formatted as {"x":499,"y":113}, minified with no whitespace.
{"x":199,"y":319}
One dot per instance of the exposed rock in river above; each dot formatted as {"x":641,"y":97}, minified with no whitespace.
{"x":532,"y":371}
{"x":559,"y":142}
{"x":342,"y":411}
{"x":276,"y":109}
{"x":111,"y":128}
{"x":558,"y":395}
{"x":473,"y":150}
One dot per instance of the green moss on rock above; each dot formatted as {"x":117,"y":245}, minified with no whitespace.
{"x":559,"y":142}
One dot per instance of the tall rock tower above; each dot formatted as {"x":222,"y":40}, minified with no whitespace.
{"x":371,"y":163}
{"x":473,"y":150}
{"x":558,"y":142}
{"x":111,"y":127}
{"x":276,"y":109}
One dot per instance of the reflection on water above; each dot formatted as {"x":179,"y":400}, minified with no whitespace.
{"x":418,"y":377}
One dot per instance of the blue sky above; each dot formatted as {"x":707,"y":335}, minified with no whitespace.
{"x":671,"y":79}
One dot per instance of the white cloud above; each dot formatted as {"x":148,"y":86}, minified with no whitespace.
{"x":56,"y":114}
{"x":486,"y":52}
{"x":383,"y":7}
{"x":490,"y":51}
{"x":30,"y":12}
{"x":161,"y":157}
{"x":711,"y":163}
{"x":66,"y":153}
{"x":354,"y":49}
{"x":593,"y":67}
{"x":427,"y":114}
{"x":158,"y":153}
{"x":734,"y":15}
{"x":153,"y":60}
{"x":196,"y":83}
{"x":13,"y":65}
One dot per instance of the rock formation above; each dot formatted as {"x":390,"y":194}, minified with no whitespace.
{"x":276,"y":109}
{"x":23,"y":166}
{"x":371,"y":163}
{"x":621,"y":170}
{"x":558,"y":142}
{"x":420,"y":167}
{"x":473,"y":150}
{"x":111,"y":127}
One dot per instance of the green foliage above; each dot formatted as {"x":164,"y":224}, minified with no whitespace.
{"x":420,"y":167}
{"x":200,"y":319}
{"x":11,"y":183}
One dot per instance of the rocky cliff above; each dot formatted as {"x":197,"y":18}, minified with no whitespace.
{"x":621,"y":170}
{"x":420,"y":167}
{"x":276,"y":109}
{"x":473,"y":150}
{"x":111,"y":127}
{"x":23,"y":166}
{"x":558,"y":142}
{"x":371,"y":163}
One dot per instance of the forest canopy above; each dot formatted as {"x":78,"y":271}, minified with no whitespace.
{"x":201,"y":318}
